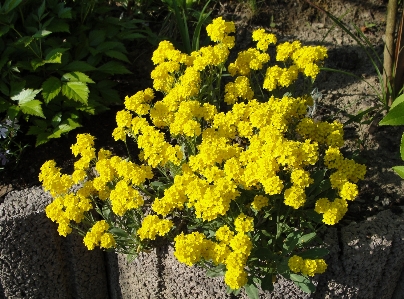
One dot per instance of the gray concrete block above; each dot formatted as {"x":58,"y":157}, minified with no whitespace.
{"x":366,"y":260}
{"x":139,"y":279}
{"x":184,"y":282}
{"x":35,"y":262}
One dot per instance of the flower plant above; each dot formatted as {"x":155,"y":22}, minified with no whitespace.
{"x":231,"y":168}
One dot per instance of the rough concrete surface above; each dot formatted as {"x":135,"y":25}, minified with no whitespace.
{"x":35,"y":262}
{"x":366,"y":260}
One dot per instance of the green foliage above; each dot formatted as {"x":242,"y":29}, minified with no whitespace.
{"x":180,"y":16}
{"x":395,"y":117}
{"x":58,"y":59}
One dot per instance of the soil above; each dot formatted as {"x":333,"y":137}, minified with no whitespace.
{"x":377,"y":147}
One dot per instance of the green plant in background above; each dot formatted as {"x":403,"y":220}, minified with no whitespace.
{"x":395,"y":117}
{"x":10,"y":149}
{"x":57,"y":60}
{"x":180,"y":17}
{"x":240,"y":179}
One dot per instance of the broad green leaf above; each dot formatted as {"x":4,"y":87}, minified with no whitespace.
{"x":252,"y":291}
{"x":402,"y":147}
{"x":79,"y":66}
{"x":77,"y":91}
{"x":399,"y":170}
{"x":4,"y":88}
{"x":114,"y":67}
{"x":130,"y":36}
{"x":58,"y":25}
{"x":305,"y":239}
{"x":4,"y":29}
{"x":9,"y":5}
{"x":117,"y":55}
{"x":64,"y":127}
{"x":291,"y":242}
{"x":64,"y":12}
{"x":397,"y":101}
{"x":36,"y":63}
{"x":41,"y":33}
{"x":51,"y":88}
{"x":96,"y":37}
{"x":35,"y":130}
{"x":267,"y":284}
{"x":16,"y":87}
{"x":119,"y":232}
{"x":314,"y":253}
{"x":32,"y":108}
{"x":42,"y":138}
{"x":217,"y":271}
{"x":303,"y":283}
{"x":25,"y":96}
{"x":55,"y":55}
{"x":105,"y":46}
{"x":26,"y":40}
{"x":395,"y":116}
{"x":13,"y":111}
{"x":41,"y":10}
{"x":56,"y":119}
{"x":77,"y":77}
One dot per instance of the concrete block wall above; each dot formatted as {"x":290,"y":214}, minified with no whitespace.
{"x":366,"y":260}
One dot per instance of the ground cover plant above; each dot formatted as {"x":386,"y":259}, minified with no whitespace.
{"x":231,"y":165}
{"x":57,"y":59}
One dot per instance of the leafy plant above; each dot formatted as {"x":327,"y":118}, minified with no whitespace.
{"x":241,"y":179}
{"x":57,"y":60}
{"x":179,"y":17}
{"x":10,"y":149}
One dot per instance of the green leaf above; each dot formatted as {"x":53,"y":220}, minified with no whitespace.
{"x":41,"y":10}
{"x":25,"y":95}
{"x":16,"y":87}
{"x":79,"y":66}
{"x":397,"y":101}
{"x":42,"y":138}
{"x":217,"y":271}
{"x":4,"y":88}
{"x":58,"y":25}
{"x":291,"y":242}
{"x":113,"y":67}
{"x":117,"y":55}
{"x":314,"y":253}
{"x":96,"y":37}
{"x":267,"y":284}
{"x":305,"y":239}
{"x":77,"y":77}
{"x":64,"y":127}
{"x":26,"y":40}
{"x":77,"y":91}
{"x":32,"y":108}
{"x":41,"y":33}
{"x":399,"y":170}
{"x":109,"y":45}
{"x":303,"y":283}
{"x":402,"y":147}
{"x":64,"y":12}
{"x":56,"y":119}
{"x":252,"y":291}
{"x":51,"y":88}
{"x":9,"y":5}
{"x":395,"y":116}
{"x":55,"y":55}
{"x":4,"y":29}
{"x":119,"y":232}
{"x":36,"y":63}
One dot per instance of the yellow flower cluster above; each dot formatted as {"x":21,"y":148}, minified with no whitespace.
{"x":332,"y":211}
{"x":307,"y":266}
{"x":263,"y":39}
{"x":97,"y":236}
{"x":331,"y":134}
{"x":152,"y":226}
{"x":259,"y":202}
{"x":239,"y":89}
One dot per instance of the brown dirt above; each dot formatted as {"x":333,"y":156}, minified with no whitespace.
{"x":377,"y":147}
